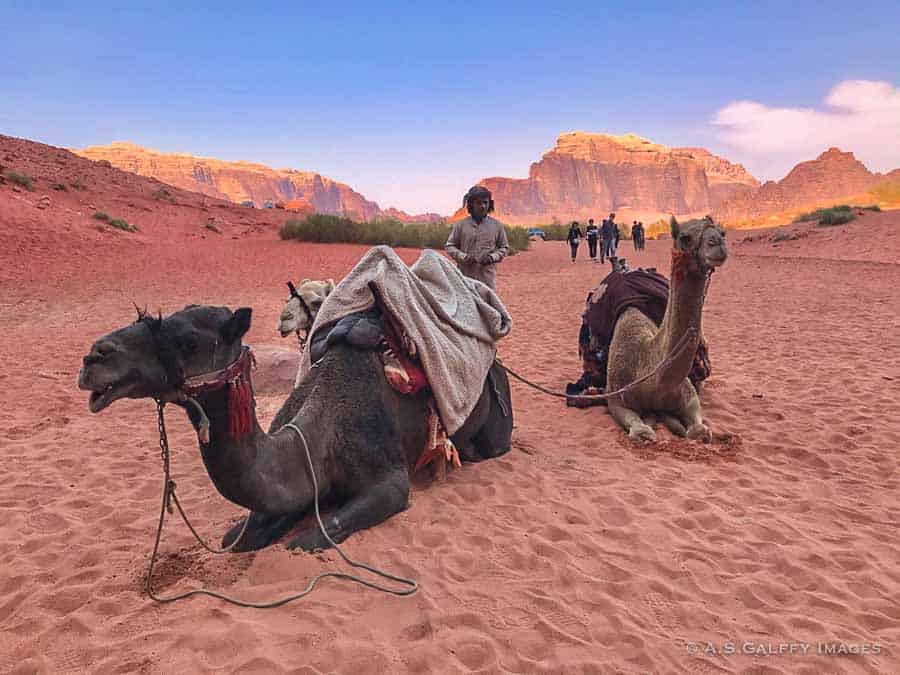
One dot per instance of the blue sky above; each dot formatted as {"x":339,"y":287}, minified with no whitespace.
{"x":411,"y":103}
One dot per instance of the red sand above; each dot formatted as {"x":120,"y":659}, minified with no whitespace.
{"x":578,"y":552}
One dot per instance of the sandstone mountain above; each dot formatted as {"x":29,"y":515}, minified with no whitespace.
{"x":588,"y":175}
{"x":831,"y":176}
{"x":245,"y":181}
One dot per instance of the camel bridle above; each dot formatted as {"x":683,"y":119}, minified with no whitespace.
{"x":301,"y":339}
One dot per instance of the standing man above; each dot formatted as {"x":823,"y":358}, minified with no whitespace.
{"x":479,"y":242}
{"x":592,"y":233}
{"x":636,"y":235}
{"x":608,"y":236}
{"x":574,"y":238}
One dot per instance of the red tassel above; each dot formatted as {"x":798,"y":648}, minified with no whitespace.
{"x":240,"y":417}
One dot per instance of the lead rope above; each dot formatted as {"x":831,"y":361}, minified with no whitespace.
{"x":676,"y":350}
{"x":671,"y":356}
{"x":169,"y":496}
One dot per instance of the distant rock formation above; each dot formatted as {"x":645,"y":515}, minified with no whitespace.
{"x":588,"y":175}
{"x":832,"y":175}
{"x":244,"y":181}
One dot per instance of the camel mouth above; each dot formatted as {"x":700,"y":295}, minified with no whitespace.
{"x":102,"y":397}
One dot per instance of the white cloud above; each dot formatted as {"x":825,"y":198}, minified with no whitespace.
{"x":860,"y":116}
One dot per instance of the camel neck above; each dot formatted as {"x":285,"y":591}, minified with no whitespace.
{"x":256,"y":469}
{"x":684,"y":311}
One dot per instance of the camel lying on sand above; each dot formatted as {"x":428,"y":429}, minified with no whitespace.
{"x":300,"y":310}
{"x":638,"y":346}
{"x":363,"y":435}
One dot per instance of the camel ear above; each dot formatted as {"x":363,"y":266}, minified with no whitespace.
{"x":303,"y":281}
{"x":675,"y":228}
{"x":237,"y":325}
{"x":329,"y":286}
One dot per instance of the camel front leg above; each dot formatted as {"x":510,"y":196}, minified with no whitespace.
{"x":631,"y":422}
{"x":692,"y":415}
{"x":376,"y":504}
{"x":262,"y":530}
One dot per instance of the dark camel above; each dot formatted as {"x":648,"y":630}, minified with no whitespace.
{"x":363,"y":435}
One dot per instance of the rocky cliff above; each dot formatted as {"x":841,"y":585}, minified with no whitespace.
{"x":243,"y":181}
{"x":589,"y":175}
{"x":832,"y":175}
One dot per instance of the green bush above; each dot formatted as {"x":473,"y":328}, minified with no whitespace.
{"x":819,"y":214}
{"x":162,"y":193}
{"x":99,"y":215}
{"x":21,"y":179}
{"x":518,"y":239}
{"x":836,"y":217}
{"x":555,"y":231}
{"x":325,"y":228}
{"x":871,"y":207}
{"x":123,"y":224}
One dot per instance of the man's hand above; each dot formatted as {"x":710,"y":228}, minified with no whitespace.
{"x":486,"y":258}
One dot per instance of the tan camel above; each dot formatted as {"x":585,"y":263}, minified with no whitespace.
{"x":638,"y":346}
{"x":301,"y":308}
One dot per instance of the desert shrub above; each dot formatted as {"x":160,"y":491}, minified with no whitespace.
{"x":213,"y":227}
{"x":122,"y":224}
{"x":555,"y":231}
{"x":871,"y":207}
{"x":99,"y":215}
{"x":60,"y":187}
{"x":325,"y":228}
{"x":162,"y":193}
{"x":77,"y":184}
{"x":518,"y":239}
{"x":836,"y":217}
{"x":819,"y":214}
{"x":21,"y":179}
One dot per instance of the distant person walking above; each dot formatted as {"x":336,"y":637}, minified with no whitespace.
{"x":574,"y":238}
{"x":636,"y":235}
{"x":592,"y":234}
{"x":609,"y":235}
{"x":643,"y":238}
{"x":479,"y":242}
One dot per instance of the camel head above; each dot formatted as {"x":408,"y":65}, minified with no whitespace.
{"x":301,"y":308}
{"x":153,"y":356}
{"x":700,"y":244}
